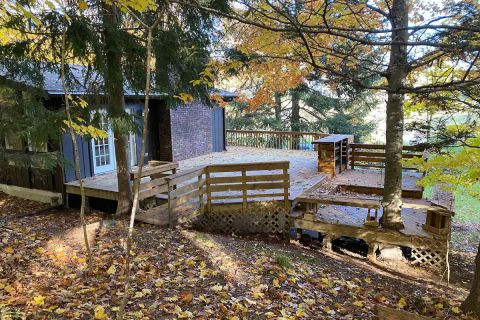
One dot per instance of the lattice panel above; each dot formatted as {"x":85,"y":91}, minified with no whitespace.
{"x":255,"y":219}
{"x":431,"y":252}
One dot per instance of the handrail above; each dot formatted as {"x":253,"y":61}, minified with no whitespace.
{"x":383,"y":146}
{"x":276,"y":131}
{"x":373,"y":155}
{"x":289,"y":140}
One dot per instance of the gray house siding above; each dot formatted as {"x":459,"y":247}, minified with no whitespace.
{"x":84,"y":151}
{"x":174,"y":134}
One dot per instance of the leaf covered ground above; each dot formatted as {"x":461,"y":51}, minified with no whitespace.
{"x":189,"y":274}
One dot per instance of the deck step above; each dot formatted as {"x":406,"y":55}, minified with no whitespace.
{"x":159,"y":220}
{"x":162,"y":196}
{"x":157,"y":215}
{"x":342,"y":200}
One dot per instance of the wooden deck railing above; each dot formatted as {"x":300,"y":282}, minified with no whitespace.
{"x":288,"y":140}
{"x":247,"y":181}
{"x":192,"y":192}
{"x":373,"y":155}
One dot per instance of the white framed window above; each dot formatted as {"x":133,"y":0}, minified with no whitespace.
{"x":103,"y":152}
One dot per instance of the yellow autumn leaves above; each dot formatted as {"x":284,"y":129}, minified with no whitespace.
{"x":79,"y":125}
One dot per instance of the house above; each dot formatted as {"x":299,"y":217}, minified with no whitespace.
{"x":181,"y":132}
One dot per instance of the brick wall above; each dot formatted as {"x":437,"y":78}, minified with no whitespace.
{"x":191,"y":129}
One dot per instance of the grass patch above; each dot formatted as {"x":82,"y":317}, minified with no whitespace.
{"x":466,"y":237}
{"x":283,"y":261}
{"x":200,"y":236}
{"x":467,"y":207}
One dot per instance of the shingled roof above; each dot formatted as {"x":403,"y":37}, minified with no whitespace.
{"x":53,"y":86}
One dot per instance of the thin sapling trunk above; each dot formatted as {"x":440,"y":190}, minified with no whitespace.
{"x":136,"y":182}
{"x":76,"y":155}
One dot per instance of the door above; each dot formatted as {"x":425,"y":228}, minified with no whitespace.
{"x":218,"y":129}
{"x":131,"y":139}
{"x":103,"y":151}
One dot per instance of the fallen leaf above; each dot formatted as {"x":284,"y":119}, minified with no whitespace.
{"x":38,"y":300}
{"x":40,"y":250}
{"x":402,"y":303}
{"x":187,"y":297}
{"x":359,"y":303}
{"x":216,"y":288}
{"x":111,"y":270}
{"x":99,"y":312}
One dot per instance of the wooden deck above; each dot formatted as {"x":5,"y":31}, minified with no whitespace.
{"x":102,"y":186}
{"x":354,"y":216}
{"x":346,"y":206}
{"x":303,"y":170}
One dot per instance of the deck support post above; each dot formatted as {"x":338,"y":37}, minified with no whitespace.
{"x":88,"y":209}
{"x":327,"y":241}
{"x":372,"y":251}
{"x":66,"y":202}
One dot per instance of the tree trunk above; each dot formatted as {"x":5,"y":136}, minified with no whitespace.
{"x":116,"y":104}
{"x":397,"y":73}
{"x":278,"y":107}
{"x":472,"y":303}
{"x":295,"y":118}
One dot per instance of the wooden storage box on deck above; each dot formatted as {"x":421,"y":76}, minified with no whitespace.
{"x":438,"y":222}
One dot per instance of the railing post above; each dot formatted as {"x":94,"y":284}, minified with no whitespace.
{"x":286,"y":201}
{"x":341,"y":156}
{"x":244,"y":189}
{"x":170,"y":206}
{"x":200,"y":196}
{"x":209,"y":193}
{"x":352,"y":161}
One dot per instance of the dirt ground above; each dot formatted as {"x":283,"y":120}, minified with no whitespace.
{"x":189,"y":274}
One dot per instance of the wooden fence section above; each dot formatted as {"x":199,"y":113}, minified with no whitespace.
{"x":31,"y":176}
{"x":273,"y":139}
{"x":373,"y":155}
{"x":186,"y":191}
{"x":247,"y":198}
{"x":156,"y":182}
{"x":247,"y":181}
